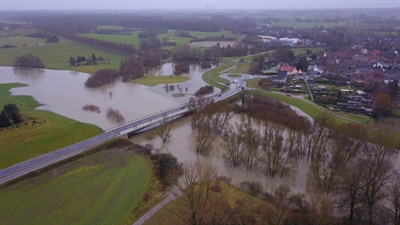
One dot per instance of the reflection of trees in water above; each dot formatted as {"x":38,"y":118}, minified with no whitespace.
{"x":114,"y":115}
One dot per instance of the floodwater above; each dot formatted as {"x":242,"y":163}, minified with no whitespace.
{"x":182,"y":146}
{"x":187,"y":88}
{"x":64,"y":93}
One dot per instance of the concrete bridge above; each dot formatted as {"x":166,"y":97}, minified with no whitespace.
{"x":123,"y":131}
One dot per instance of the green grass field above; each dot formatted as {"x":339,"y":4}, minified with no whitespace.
{"x":306,"y":25}
{"x":103,"y":188}
{"x":17,"y":32}
{"x":56,"y":56}
{"x":22,"y":41}
{"x":234,"y":75}
{"x":110,"y":27}
{"x":129,"y":39}
{"x":214,"y":74}
{"x":31,"y":139}
{"x":243,"y":67}
{"x":253,"y":83}
{"x":231,"y":193}
{"x":309,"y":108}
{"x":152,"y":80}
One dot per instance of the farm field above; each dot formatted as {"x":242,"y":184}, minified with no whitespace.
{"x":22,"y":41}
{"x":56,"y":55}
{"x":17,"y":32}
{"x":103,"y":188}
{"x":306,"y":25}
{"x":134,"y":39}
{"x":40,"y":132}
{"x":129,"y":39}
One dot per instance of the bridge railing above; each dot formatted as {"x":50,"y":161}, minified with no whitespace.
{"x":141,"y":118}
{"x":160,"y":112}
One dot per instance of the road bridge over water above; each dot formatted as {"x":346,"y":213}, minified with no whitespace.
{"x":123,"y":131}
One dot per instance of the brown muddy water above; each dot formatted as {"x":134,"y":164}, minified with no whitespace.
{"x":187,"y":88}
{"x":64,"y":93}
{"x":182,"y":146}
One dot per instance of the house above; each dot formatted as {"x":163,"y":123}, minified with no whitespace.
{"x":281,"y":77}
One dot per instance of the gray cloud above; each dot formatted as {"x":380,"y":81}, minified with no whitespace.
{"x":191,"y":4}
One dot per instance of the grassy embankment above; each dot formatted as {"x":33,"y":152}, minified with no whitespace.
{"x":40,"y":132}
{"x":103,"y":188}
{"x":211,"y":77}
{"x":56,"y":56}
{"x":243,"y":67}
{"x":231,"y":193}
{"x":152,"y":80}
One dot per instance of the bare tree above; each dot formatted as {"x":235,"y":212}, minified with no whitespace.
{"x":348,"y":189}
{"x":204,"y":138}
{"x":277,"y":214}
{"x":277,"y":154}
{"x":347,"y":142}
{"x":394,"y":197}
{"x":250,"y":137}
{"x":376,"y":170}
{"x":232,"y":145}
{"x":195,"y":185}
{"x":164,"y":130}
{"x":321,"y":208}
{"x":316,"y":140}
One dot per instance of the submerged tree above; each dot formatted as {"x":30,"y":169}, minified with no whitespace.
{"x":164,"y":129}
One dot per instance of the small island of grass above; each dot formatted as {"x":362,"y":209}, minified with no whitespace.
{"x":152,"y":80}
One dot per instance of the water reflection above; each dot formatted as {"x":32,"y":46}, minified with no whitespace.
{"x":187,"y":89}
{"x":64,"y":93}
{"x":182,"y":146}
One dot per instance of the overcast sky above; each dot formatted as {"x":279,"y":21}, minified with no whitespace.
{"x":191,"y":4}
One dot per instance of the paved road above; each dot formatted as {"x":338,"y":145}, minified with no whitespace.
{"x":171,"y":196}
{"x":42,"y":161}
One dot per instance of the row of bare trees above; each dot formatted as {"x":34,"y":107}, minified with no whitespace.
{"x":348,"y":164}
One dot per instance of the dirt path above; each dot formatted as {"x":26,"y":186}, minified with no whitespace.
{"x":171,"y":196}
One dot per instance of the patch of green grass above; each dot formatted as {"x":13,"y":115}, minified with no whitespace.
{"x":253,"y":83}
{"x":110,"y":27}
{"x":152,"y":80}
{"x":103,"y":188}
{"x":234,"y":75}
{"x":309,"y":108}
{"x":56,"y":56}
{"x":30,"y":139}
{"x":231,"y":193}
{"x":357,"y":117}
{"x":305,"y":25}
{"x":22,"y":41}
{"x":132,"y":39}
{"x":17,"y":32}
{"x":243,"y":67}
{"x":303,"y":50}
{"x":211,"y":77}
